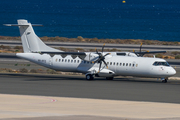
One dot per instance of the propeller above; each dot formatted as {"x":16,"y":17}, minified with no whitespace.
{"x":101,"y":58}
{"x":140,"y":48}
{"x":139,"y":53}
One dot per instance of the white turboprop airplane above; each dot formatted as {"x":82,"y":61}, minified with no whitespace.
{"x":92,"y":64}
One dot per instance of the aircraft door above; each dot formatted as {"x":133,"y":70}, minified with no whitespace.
{"x":133,"y":65}
{"x":113,"y":66}
{"x":51,"y":61}
{"x":116,"y":64}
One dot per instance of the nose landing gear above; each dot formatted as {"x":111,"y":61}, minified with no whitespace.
{"x":164,"y":80}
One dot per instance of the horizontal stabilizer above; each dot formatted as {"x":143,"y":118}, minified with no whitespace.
{"x":21,"y":25}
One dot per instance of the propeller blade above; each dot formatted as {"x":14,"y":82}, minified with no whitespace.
{"x":100,"y":66}
{"x":107,"y":54}
{"x":96,"y":60}
{"x":96,"y":50}
{"x":105,"y":63}
{"x":103,"y":47}
{"x":141,"y":44}
{"x":140,"y":47}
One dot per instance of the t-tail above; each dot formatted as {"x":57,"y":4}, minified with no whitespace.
{"x":30,"y":41}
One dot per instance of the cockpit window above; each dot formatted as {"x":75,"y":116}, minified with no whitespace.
{"x":161,"y":63}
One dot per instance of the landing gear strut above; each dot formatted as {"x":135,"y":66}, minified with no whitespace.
{"x":89,"y":77}
{"x":164,"y":81}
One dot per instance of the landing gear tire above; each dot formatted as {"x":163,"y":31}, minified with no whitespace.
{"x":89,"y":77}
{"x":109,"y":78}
{"x":164,"y":81}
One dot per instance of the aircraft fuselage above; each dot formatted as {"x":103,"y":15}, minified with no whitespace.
{"x":120,"y":65}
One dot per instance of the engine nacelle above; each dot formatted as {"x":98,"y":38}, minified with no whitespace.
{"x":102,"y":73}
{"x":105,"y":73}
{"x":91,"y":57}
{"x":131,"y":54}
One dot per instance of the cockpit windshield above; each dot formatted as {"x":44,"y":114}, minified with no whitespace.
{"x":161,"y":63}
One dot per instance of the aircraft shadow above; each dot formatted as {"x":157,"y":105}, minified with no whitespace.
{"x":40,"y":77}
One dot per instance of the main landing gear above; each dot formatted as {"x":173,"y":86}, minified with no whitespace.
{"x":89,"y":77}
{"x":109,"y":78}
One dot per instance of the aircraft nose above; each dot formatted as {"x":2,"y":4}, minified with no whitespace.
{"x":173,"y":71}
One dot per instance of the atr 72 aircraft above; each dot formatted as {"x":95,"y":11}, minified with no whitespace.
{"x":92,"y":64}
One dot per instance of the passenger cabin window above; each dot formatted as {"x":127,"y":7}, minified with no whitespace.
{"x":161,"y":63}
{"x":114,"y":63}
{"x":120,"y":64}
{"x":59,"y":60}
{"x":110,"y":63}
{"x":123,"y":64}
{"x":117,"y":64}
{"x":126,"y":64}
{"x":129,"y":64}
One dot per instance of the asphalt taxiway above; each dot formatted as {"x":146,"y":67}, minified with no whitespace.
{"x":72,"y":97}
{"x":121,"y":88}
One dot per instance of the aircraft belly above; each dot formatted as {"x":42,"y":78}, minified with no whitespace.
{"x":66,"y":69}
{"x":83,"y":68}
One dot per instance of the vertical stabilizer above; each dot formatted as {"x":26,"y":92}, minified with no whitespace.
{"x":24,"y":28}
{"x":30,"y":41}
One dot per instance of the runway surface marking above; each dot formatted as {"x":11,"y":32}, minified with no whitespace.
{"x":25,"y":106}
